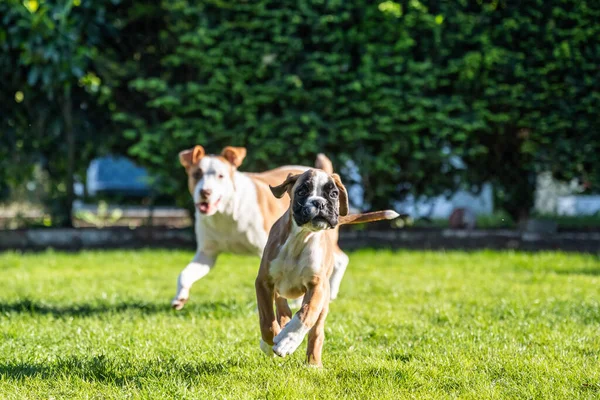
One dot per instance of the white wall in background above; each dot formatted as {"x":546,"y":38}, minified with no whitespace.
{"x":549,"y":191}
{"x":578,"y":205}
{"x":438,"y":207}
{"x":441,"y":207}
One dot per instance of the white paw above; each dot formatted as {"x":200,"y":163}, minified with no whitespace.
{"x":266,"y":348}
{"x":182,"y":297}
{"x":290,"y":337}
{"x":177,"y":304}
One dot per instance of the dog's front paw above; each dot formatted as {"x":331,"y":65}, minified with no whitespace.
{"x":287,"y":344}
{"x":182,"y":297}
{"x":266,"y":348}
{"x":290,"y":337}
{"x":178,"y":302}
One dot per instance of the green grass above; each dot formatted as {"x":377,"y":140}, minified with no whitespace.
{"x":407,"y":325}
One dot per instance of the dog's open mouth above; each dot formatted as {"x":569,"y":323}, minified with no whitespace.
{"x":205,"y":207}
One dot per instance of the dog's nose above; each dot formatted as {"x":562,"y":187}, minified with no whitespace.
{"x":205,"y":193}
{"x":319,"y":203}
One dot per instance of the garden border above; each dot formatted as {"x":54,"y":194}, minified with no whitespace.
{"x":71,"y":239}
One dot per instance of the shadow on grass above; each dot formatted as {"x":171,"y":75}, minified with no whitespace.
{"x":118,"y":372}
{"x":208,"y":308}
{"x":578,"y":271}
{"x":403,"y":357}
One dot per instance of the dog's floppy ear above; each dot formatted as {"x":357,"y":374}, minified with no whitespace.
{"x":279,"y":191}
{"x":234,"y":155}
{"x":192,"y":156}
{"x":343,"y":199}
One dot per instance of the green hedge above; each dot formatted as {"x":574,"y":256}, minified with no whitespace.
{"x":402,"y":88}
{"x":291,"y":79}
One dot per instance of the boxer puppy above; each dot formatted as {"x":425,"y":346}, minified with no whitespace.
{"x":298,"y":260}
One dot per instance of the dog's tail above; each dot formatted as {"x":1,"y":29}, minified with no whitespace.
{"x":324,"y":163}
{"x":367,"y":217}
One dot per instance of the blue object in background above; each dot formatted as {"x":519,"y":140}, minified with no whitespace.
{"x":117,"y":175}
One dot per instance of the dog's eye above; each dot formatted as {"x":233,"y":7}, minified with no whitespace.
{"x":302,"y":192}
{"x":197,"y":175}
{"x":334,"y":194}
{"x":221,"y":176}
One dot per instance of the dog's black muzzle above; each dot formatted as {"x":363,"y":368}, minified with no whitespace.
{"x":317,"y":213}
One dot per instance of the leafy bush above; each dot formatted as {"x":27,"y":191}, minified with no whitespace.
{"x":400,"y":88}
{"x":53,"y":111}
{"x":404,"y":89}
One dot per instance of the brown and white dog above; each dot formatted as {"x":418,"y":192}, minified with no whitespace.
{"x":299,"y":260}
{"x":234,"y":210}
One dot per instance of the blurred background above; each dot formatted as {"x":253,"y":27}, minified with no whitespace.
{"x":458,"y":113}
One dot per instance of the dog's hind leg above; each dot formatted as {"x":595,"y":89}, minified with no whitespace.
{"x":269,"y":327}
{"x":339,"y":267}
{"x":284,"y":314}
{"x":316,"y":337}
{"x":200,"y":266}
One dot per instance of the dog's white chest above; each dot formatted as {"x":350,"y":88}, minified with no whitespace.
{"x":239,"y":228}
{"x":224,"y":234}
{"x":298,"y":261}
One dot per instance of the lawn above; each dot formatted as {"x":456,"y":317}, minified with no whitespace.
{"x":406,"y":325}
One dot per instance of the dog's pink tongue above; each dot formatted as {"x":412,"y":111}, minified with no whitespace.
{"x":203,"y":207}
